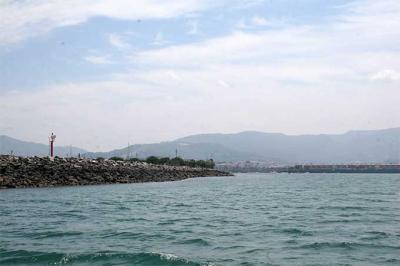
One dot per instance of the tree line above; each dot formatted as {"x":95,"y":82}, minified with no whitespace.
{"x":177,"y":161}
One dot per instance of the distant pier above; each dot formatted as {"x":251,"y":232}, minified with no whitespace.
{"x":312,"y":168}
{"x":346,"y":168}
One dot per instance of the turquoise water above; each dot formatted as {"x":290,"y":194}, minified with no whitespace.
{"x":249,"y":219}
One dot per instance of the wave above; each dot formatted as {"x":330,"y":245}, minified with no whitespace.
{"x":375,"y":235}
{"x":53,"y":258}
{"x":344,"y":208}
{"x":51,"y":234}
{"x":341,"y":221}
{"x":125,"y":235}
{"x":195,"y":241}
{"x":296,"y":231}
{"x":345,"y":245}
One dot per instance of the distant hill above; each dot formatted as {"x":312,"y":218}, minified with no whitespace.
{"x":375,"y":146}
{"x":198,"y":151}
{"x":24,"y":148}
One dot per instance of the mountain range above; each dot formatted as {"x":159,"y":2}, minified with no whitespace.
{"x":10,"y":145}
{"x":372,"y":146}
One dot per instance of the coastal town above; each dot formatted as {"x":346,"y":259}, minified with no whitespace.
{"x":265,"y":167}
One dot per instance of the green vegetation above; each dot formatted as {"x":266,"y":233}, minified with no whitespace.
{"x":134,"y":160}
{"x":115,"y":158}
{"x":153,"y":160}
{"x":177,"y":161}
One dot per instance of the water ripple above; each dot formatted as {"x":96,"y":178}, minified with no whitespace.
{"x":249,"y":219}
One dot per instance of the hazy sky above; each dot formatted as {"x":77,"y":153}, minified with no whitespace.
{"x":104,"y":73}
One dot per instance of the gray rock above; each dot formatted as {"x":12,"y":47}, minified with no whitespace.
{"x":21,"y":172}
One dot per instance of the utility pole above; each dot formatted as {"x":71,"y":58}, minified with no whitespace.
{"x":176,"y":153}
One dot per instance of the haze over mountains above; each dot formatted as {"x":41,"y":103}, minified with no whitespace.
{"x":374,"y":146}
{"x":10,"y":145}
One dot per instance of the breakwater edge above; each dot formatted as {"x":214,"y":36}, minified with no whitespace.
{"x":26,"y":172}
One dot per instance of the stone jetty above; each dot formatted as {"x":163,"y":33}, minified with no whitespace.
{"x":26,"y":172}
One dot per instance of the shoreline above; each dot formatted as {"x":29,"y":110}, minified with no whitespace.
{"x":321,"y":169}
{"x":37,"y":172}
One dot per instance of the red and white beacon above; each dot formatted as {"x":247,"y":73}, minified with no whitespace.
{"x":52,"y":138}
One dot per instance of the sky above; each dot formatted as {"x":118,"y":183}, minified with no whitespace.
{"x":102,"y":74}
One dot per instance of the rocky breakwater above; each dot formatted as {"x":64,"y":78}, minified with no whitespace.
{"x":23,"y":172}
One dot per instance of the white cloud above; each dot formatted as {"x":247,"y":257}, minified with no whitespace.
{"x":194,"y":28}
{"x":240,"y":4}
{"x":159,"y":39}
{"x":293,"y":79}
{"x":259,"y":21}
{"x":240,"y":47}
{"x":386,"y":75}
{"x":157,"y":105}
{"x":223,"y":83}
{"x":23,"y":19}
{"x":253,"y":22}
{"x":241,"y":24}
{"x":86,"y":114}
{"x":349,"y":49}
{"x":98,"y":60}
{"x":117,"y":41}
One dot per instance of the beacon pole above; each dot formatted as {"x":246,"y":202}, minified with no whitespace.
{"x":52,"y":138}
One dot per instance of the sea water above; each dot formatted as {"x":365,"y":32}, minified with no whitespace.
{"x":248,"y":219}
